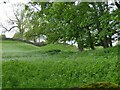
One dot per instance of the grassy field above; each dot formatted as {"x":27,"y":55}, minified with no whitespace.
{"x":56,"y":66}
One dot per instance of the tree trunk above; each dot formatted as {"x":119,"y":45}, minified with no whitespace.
{"x":105,"y":42}
{"x":35,"y":40}
{"x":39,"y":40}
{"x":110,"y":41}
{"x":91,"y":41}
{"x":80,"y":46}
{"x":21,"y":36}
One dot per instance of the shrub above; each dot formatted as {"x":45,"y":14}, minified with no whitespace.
{"x":2,"y":36}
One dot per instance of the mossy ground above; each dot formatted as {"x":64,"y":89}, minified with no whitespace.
{"x":101,"y":85}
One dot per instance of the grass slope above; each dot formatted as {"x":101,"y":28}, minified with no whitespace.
{"x":28,"y":66}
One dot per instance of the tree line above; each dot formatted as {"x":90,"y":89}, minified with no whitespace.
{"x":89,"y":24}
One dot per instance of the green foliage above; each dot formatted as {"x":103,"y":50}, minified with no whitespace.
{"x":28,"y":66}
{"x":18,"y":35}
{"x":85,"y":23}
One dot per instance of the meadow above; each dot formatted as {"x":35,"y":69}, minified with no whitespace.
{"x":56,"y":65}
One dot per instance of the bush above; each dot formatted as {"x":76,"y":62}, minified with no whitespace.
{"x":2,"y":36}
{"x":17,"y":36}
{"x":56,"y":51}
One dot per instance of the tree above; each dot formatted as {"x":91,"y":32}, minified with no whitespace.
{"x":84,"y":23}
{"x":35,"y":24}
{"x":70,"y":23}
{"x":105,"y":23}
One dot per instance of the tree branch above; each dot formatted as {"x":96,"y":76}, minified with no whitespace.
{"x":12,"y":20}
{"x":117,"y":4}
{"x":8,"y":29}
{"x":34,"y":6}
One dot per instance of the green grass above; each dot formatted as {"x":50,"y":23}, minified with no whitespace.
{"x":28,"y":66}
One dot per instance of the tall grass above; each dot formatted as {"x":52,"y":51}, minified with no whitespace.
{"x":27,"y":66}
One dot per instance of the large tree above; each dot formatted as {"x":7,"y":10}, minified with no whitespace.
{"x":84,"y":23}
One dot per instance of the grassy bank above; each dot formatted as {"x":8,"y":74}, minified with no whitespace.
{"x":28,"y":66}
